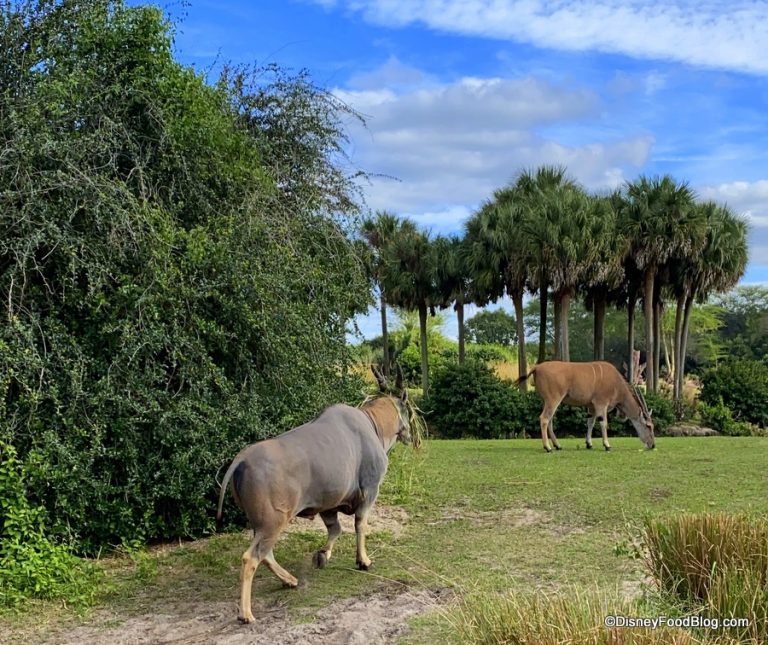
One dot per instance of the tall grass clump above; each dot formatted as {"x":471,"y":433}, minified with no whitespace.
{"x":576,"y":617}
{"x":716,"y":564}
{"x":403,"y":481}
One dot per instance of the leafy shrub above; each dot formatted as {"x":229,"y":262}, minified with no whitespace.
{"x":31,"y":564}
{"x":469,"y":400}
{"x":718,"y":417}
{"x":743,"y":388}
{"x":489,"y":352}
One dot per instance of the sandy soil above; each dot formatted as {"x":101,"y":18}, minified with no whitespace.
{"x":381,"y":518}
{"x":379,"y":618}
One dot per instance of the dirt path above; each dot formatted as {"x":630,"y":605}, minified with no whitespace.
{"x":379,"y":618}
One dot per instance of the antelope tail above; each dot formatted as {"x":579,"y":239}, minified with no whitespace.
{"x":227,"y":476}
{"x":526,"y":377}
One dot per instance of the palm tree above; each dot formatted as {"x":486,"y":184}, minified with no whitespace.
{"x":379,"y":232}
{"x":452,"y":279}
{"x":718,"y":267}
{"x":603,"y":279}
{"x":409,"y":281}
{"x":498,"y":260}
{"x":656,"y":220}
{"x":536,"y":192}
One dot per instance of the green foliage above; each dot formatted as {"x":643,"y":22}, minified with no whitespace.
{"x":491,"y":352}
{"x":31,"y":564}
{"x":662,"y":411}
{"x":492,"y":327}
{"x":742,"y":386}
{"x":469,"y":400}
{"x":745,"y":318}
{"x":718,"y":417}
{"x":173,"y":285}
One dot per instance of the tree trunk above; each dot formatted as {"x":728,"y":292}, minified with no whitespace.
{"x":631,"y":338}
{"x":384,"y":332}
{"x":565,"y":346}
{"x":677,"y":342}
{"x":423,"y":343}
{"x":598,"y":309}
{"x":684,"y":345}
{"x":648,"y":313}
{"x":522,"y":362}
{"x":658,"y":312}
{"x":542,"y":320}
{"x":459,"y":306}
{"x":558,"y":302}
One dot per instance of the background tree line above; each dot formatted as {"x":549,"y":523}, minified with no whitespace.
{"x":649,"y":243}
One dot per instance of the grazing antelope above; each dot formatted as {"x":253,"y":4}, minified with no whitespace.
{"x":334,"y":463}
{"x":600,"y":387}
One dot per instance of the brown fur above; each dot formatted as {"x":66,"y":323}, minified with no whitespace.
{"x":597,"y":385}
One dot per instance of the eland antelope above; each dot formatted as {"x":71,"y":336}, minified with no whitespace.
{"x":334,"y":463}
{"x":600,"y":387}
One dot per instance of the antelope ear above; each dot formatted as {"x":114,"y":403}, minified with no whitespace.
{"x":379,"y":378}
{"x":404,"y":396}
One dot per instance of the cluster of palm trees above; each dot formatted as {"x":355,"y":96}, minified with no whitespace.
{"x":650,"y":241}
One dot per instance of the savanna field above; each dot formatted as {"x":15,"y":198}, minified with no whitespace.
{"x":467,"y":519}
{"x":187,"y":262}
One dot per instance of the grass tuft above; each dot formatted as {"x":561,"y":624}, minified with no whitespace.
{"x":539,"y":618}
{"x":713,"y":562}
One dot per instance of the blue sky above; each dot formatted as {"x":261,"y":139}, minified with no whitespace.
{"x":460,"y":95}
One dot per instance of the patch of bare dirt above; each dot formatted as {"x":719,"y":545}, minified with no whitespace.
{"x":379,"y":618}
{"x":633,"y":589}
{"x":391,"y":519}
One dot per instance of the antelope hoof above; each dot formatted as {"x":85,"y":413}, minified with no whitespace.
{"x":363,"y":566}
{"x":557,"y":447}
{"x":320,"y":559}
{"x":248,"y":618}
{"x":607,"y":448}
{"x":589,"y":446}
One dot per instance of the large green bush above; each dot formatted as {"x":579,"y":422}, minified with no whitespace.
{"x":175,"y":274}
{"x":742,"y":386}
{"x":469,"y":400}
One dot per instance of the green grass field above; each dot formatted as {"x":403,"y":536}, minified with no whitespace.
{"x":482,"y":516}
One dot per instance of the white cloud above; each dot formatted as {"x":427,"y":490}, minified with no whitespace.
{"x":451,"y":145}
{"x":749,"y":199}
{"x":724,"y":35}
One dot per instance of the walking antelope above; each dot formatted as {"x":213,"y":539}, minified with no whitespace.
{"x":333,"y":464}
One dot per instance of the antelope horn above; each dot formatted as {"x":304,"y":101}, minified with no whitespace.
{"x":379,"y":378}
{"x":641,"y":400}
{"x":399,"y":381}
